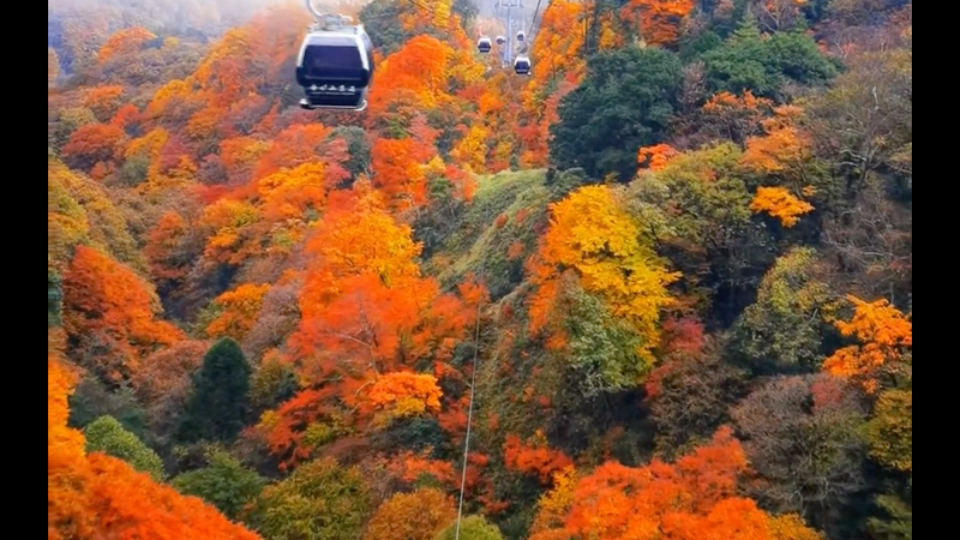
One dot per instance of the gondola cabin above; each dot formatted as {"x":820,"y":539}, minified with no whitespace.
{"x":484,"y":45}
{"x":521,"y":36}
{"x":521,"y":65}
{"x":335,"y":68}
{"x":501,"y":40}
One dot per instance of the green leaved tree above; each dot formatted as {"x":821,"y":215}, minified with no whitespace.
{"x":105,"y":434}
{"x":626,"y":101}
{"x":218,"y":404}
{"x":224,"y":482}
{"x":471,"y":528}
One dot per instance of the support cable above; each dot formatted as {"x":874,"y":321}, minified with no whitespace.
{"x":473,"y":386}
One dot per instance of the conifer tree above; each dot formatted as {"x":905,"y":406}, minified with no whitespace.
{"x":218,"y":405}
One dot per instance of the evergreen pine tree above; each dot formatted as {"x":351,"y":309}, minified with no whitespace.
{"x":218,"y":405}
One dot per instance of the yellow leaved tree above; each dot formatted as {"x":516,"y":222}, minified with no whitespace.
{"x":592,"y":234}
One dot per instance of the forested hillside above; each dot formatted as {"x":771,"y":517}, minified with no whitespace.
{"x":662,"y":285}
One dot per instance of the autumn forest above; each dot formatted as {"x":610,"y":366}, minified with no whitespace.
{"x":659,"y":288}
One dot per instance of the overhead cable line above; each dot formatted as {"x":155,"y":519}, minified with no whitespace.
{"x":473,"y":386}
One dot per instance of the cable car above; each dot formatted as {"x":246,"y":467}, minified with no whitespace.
{"x":521,"y":36}
{"x":335,"y":65}
{"x":521,"y":65}
{"x":501,"y":40}
{"x":484,"y":45}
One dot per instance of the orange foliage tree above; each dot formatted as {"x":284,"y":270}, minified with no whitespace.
{"x":99,"y":496}
{"x":534,"y":457}
{"x":303,"y":143}
{"x":412,"y":516}
{"x":692,"y":499}
{"x":124,"y":41}
{"x":500,"y":122}
{"x":104,"y":101}
{"x":286,"y":430}
{"x":173,"y":104}
{"x":417,"y":72}
{"x":784,"y":145}
{"x":364,"y":294}
{"x":169,"y":250}
{"x":558,"y":45}
{"x":108,"y":305}
{"x":781,"y":204}
{"x":658,"y":20}
{"x":204,"y":123}
{"x":656,"y":157}
{"x":240,"y":155}
{"x":229,"y":71}
{"x":93,"y":143}
{"x":885,"y":335}
{"x":557,"y":71}
{"x":410,"y":83}
{"x":174,"y":160}
{"x":238,"y":311}
{"x":292,"y":194}
{"x":781,"y":152}
{"x":403,"y":393}
{"x":366,"y":313}
{"x":168,"y":370}
{"x":408,"y":467}
{"x":245,"y":116}
{"x":440,"y":21}
{"x":126,"y":116}
{"x":421,"y":18}
{"x":398,"y":171}
{"x":231,"y":230}
{"x":735,"y":117}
